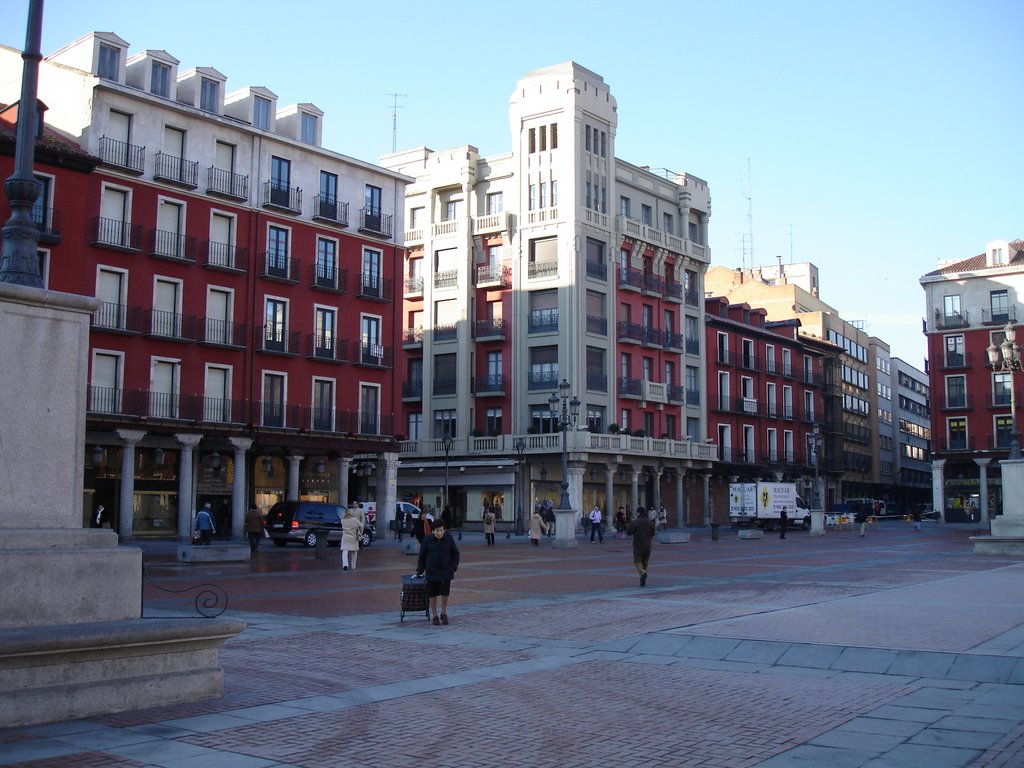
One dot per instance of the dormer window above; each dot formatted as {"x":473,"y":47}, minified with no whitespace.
{"x":308,"y":130}
{"x":261,"y":113}
{"x":997,"y":257}
{"x":109,"y":63}
{"x":160,"y":79}
{"x":209,"y":95}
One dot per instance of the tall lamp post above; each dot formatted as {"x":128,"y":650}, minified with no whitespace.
{"x":446,"y":441}
{"x":520,"y":446}
{"x":565,"y":416}
{"x":814,"y":442}
{"x":1006,"y":358}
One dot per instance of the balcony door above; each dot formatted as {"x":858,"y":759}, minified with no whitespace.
{"x":217,"y":395}
{"x":163,"y":388}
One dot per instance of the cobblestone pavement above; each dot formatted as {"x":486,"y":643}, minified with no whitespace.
{"x":897,"y":649}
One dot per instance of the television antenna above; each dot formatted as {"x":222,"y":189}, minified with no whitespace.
{"x":394,"y":118}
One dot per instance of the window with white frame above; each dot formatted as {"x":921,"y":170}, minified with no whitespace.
{"x":369,"y":409}
{"x":275,"y":397}
{"x":275,"y":324}
{"x":308,"y":128}
{"x":217,"y":394}
{"x":787,"y":446}
{"x":164,"y":383}
{"x":166,"y":315}
{"x":322,"y":416}
{"x":209,"y":95}
{"x":772,"y":444}
{"x":261,"y":113}
{"x":112,"y":291}
{"x":219,"y":329}
{"x":414,"y":423}
{"x":160,"y":79}
{"x":445,"y":423}
{"x":324,"y":329}
{"x":493,"y":426}
{"x":105,"y":381}
{"x":495,"y":203}
{"x":109,"y":62}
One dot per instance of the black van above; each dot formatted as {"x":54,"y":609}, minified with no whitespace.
{"x":306,"y":522}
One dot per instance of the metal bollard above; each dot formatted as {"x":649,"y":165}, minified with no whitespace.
{"x":714,"y":531}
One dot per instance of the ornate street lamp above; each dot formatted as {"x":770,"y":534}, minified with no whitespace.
{"x":520,"y":446}
{"x":814,"y":442}
{"x":566,"y":419}
{"x":1006,"y":358}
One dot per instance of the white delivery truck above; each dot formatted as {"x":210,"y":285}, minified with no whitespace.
{"x":760,"y":505}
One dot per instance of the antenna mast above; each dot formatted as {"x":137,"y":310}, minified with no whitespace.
{"x":750,"y":215}
{"x":394,"y":118}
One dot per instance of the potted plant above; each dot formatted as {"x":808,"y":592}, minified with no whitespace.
{"x":613,"y":428}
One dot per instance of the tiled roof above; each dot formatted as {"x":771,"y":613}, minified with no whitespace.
{"x":51,"y":141}
{"x":974,"y":263}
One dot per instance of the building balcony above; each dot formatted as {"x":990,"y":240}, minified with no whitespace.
{"x":999,"y":400}
{"x":631,"y":279}
{"x":492,"y":223}
{"x":445,"y":386}
{"x":447,"y":278}
{"x":542,"y":215}
{"x":630,"y":387}
{"x":445,"y":332}
{"x":375,"y":223}
{"x":414,"y":286}
{"x":118,"y":318}
{"x":597,"y":382}
{"x":640,"y":334}
{"x":693,"y":397}
{"x":446,"y":228}
{"x":690,"y":297}
{"x":376,"y":355}
{"x":543,"y":268}
{"x":961,"y":402}
{"x":227,"y":184}
{"x":639,"y":230}
{"x":281,"y":198}
{"x":676,"y":394}
{"x":412,"y":390}
{"x":597,"y":325}
{"x":654,"y":391}
{"x":171,"y":246}
{"x":543,"y":321}
{"x":598,"y":270}
{"x":176,"y":170}
{"x":47,"y":221}
{"x":692,"y":346}
{"x":124,"y":156}
{"x":543,"y":380}
{"x":998,"y":316}
{"x":169,"y":325}
{"x":950,"y":320}
{"x":489,"y":330}
{"x":330,"y":210}
{"x":222,"y":333}
{"x":412,"y":337}
{"x":327,"y":277}
{"x":673,"y":291}
{"x":490,"y":385}
{"x":373,"y":286}
{"x":225,"y":257}
{"x":280,"y":268}
{"x":674,"y":341}
{"x":327,"y":347}
{"x":953,"y":360}
{"x":494,"y":275}
{"x":277,"y":340}
{"x":944,"y":443}
{"x":653,"y":284}
{"x":116,"y":235}
{"x":413,"y":237}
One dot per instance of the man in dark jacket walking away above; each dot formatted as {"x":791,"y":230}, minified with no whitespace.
{"x":439,"y":560}
{"x":642,"y":531}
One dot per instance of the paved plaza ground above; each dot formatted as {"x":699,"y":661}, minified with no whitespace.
{"x":896,"y":650}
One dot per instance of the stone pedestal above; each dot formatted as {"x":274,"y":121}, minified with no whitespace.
{"x":71,"y":627}
{"x":565,"y":529}
{"x":817,"y":523}
{"x":673,"y":537}
{"x":1008,"y":528}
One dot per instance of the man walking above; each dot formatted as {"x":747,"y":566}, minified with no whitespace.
{"x":642,"y":531}
{"x":783,"y":522}
{"x":595,"y":524}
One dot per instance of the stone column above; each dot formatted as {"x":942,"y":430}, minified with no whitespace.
{"x":239,"y":498}
{"x":344,"y":467}
{"x":185,"y":497}
{"x":939,"y":489}
{"x":125,"y":521}
{"x":576,"y":472}
{"x":634,"y":491}
{"x":387,"y":493}
{"x":657,"y":494}
{"x":1010,"y":524}
{"x":609,"y":495}
{"x":292,"y":493}
{"x":707,"y":499}
{"x":680,"y":501}
{"x":983,"y":490}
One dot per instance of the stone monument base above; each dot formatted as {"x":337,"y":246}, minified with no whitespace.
{"x":565,"y":529}
{"x":673,"y":537}
{"x":70,"y":671}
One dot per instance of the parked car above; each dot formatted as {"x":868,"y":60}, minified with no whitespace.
{"x":305,"y":522}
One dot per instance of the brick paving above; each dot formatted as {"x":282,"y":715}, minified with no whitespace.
{"x":898,"y":649}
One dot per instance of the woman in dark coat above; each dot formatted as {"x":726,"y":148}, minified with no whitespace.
{"x":439,"y":560}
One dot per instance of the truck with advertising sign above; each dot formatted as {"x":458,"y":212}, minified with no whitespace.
{"x":760,"y":505}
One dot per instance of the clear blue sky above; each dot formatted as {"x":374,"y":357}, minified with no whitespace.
{"x":881,"y":135}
